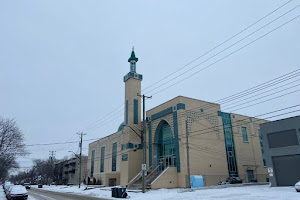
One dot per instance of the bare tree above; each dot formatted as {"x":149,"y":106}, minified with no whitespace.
{"x":11,"y":145}
{"x":45,"y":169}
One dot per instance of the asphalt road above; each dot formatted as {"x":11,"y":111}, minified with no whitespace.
{"x":36,"y":194}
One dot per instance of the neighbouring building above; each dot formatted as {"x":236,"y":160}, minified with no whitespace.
{"x":221,"y":144}
{"x":68,"y":171}
{"x":281,"y":141}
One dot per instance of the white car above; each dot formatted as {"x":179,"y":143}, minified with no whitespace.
{"x":17,"y":192}
{"x":297,"y":186}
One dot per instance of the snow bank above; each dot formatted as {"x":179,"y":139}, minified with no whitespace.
{"x":246,"y":193}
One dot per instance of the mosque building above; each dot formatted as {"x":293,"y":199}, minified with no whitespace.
{"x":220,"y":144}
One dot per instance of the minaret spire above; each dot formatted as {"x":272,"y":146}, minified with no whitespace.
{"x":132,"y":60}
{"x":132,"y":110}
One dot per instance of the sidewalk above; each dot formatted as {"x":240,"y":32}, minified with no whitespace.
{"x":2,"y":194}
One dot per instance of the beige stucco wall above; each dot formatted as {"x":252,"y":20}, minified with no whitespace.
{"x":131,"y":167}
{"x":125,"y":170}
{"x":168,"y":179}
{"x":207,"y":150}
{"x":207,"y":146}
{"x":249,"y":155}
{"x":201,"y":162}
{"x":132,"y":88}
{"x":106,"y":142}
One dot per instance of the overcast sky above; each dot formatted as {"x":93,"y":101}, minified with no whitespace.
{"x":62,"y":62}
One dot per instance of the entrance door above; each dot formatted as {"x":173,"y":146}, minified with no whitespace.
{"x":167,"y":161}
{"x":164,"y":146}
{"x":112,"y":182}
{"x":250,"y":175}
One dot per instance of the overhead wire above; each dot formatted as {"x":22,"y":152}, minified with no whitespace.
{"x":156,"y":93}
{"x":228,"y":55}
{"x":223,"y":50}
{"x":231,"y":53}
{"x":230,"y":38}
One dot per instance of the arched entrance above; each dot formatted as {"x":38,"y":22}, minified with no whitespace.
{"x":164,"y":146}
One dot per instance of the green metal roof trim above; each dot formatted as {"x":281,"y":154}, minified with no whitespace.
{"x":121,"y":127}
{"x":132,"y":57}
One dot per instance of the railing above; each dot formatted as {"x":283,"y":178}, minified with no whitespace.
{"x":137,"y":177}
{"x":153,"y":171}
{"x":134,"y":179}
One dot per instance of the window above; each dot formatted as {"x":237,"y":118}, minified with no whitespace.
{"x":132,"y":67}
{"x":114,"y":157}
{"x":264,"y":161}
{"x":262,"y":147}
{"x":92,"y":163}
{"x":102,"y":159}
{"x":244,"y":132}
{"x":129,"y":145}
{"x":135,"y":111}
{"x":229,"y":143}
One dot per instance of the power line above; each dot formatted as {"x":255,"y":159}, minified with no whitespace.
{"x":72,"y":142}
{"x":225,"y":49}
{"x":261,"y":86}
{"x":228,"y":55}
{"x":238,"y":33}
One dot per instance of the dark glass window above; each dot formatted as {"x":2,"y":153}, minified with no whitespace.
{"x":135,"y":111}
{"x":114,"y":157}
{"x":102,"y":159}
{"x":92,"y":163}
{"x":262,"y":147}
{"x":229,"y":143}
{"x":245,"y":136}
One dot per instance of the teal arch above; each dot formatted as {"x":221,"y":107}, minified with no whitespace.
{"x":164,"y":146}
{"x":121,"y":127}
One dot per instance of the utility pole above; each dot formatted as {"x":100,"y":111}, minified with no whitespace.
{"x":188,"y":154}
{"x":51,"y":155}
{"x":51,"y":163}
{"x":144,"y":168}
{"x":80,"y":145}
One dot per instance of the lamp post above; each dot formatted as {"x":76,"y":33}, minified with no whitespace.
{"x":79,"y":175}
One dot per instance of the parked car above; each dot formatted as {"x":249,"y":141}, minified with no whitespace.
{"x":7,"y":186}
{"x":17,"y":192}
{"x":27,"y":186}
{"x":297,"y":186}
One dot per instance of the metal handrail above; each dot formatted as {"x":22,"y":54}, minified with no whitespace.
{"x":139,"y":175}
{"x":149,"y":169}
{"x":133,"y":179}
{"x":153,"y":171}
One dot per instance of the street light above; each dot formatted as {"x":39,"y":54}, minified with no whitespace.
{"x":79,"y":175}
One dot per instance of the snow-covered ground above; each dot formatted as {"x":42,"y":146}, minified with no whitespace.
{"x":2,"y":194}
{"x":246,"y":193}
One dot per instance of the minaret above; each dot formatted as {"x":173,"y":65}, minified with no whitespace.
{"x":132,"y":111}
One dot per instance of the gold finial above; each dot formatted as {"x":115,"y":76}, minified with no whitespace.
{"x":132,"y":48}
